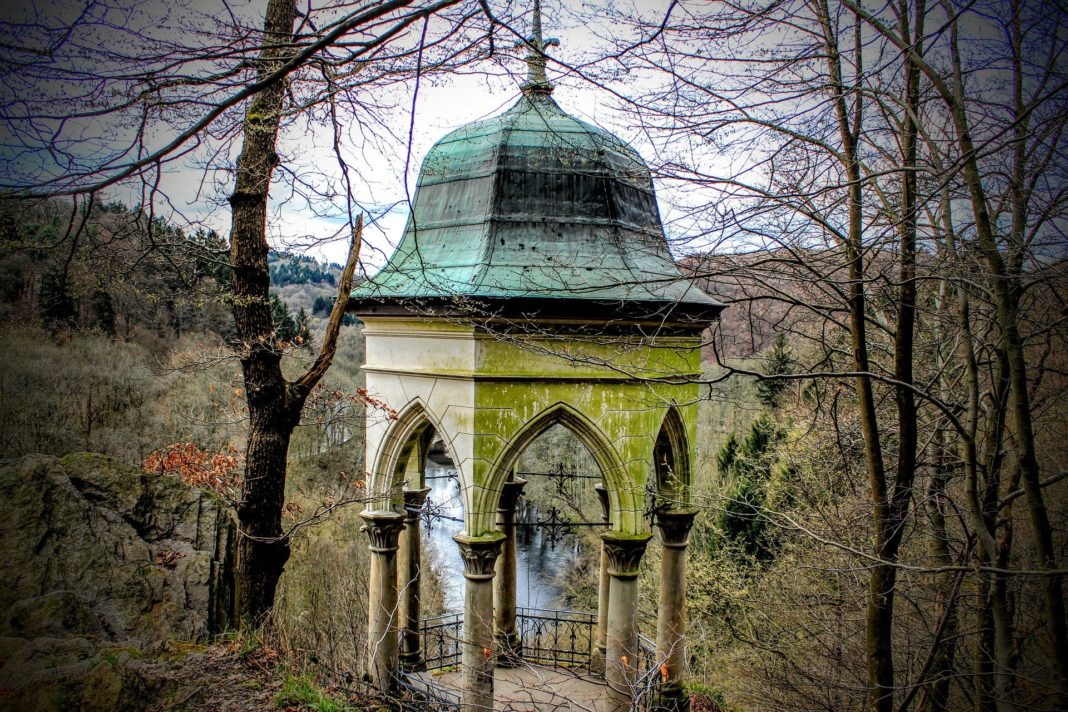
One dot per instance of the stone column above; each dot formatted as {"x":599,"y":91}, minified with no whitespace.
{"x":597,"y":663}
{"x":409,"y":574}
{"x":479,"y":555}
{"x":671,"y":617}
{"x":621,"y":654}
{"x":383,"y":528}
{"x":504,"y":583}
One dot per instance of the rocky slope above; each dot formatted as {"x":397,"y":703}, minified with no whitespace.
{"x":103,"y":569}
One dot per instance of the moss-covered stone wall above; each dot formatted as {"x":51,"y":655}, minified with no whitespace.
{"x":490,"y":395}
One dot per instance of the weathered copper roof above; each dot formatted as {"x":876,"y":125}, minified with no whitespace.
{"x":535,"y":206}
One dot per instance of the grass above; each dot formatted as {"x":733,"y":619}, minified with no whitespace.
{"x":711,"y":694}
{"x":300,"y":691}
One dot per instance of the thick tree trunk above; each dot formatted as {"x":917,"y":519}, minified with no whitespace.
{"x":882,"y":578}
{"x":263,"y":552}
{"x":940,"y":674}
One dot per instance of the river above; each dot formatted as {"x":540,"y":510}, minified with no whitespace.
{"x":538,"y":562}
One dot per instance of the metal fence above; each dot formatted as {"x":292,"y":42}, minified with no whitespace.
{"x":648,"y":684}
{"x":547,"y":637}
{"x":442,"y":636}
{"x":556,"y":638}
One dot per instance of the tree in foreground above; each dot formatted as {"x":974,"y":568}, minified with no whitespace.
{"x":892,"y":193}
{"x":153,"y":90}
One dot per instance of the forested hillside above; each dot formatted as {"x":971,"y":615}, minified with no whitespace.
{"x":121,"y":343}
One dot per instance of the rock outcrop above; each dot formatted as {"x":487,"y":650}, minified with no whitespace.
{"x":101,"y":564}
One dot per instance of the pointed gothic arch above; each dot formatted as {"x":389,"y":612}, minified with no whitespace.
{"x":671,"y":460}
{"x":408,"y":436}
{"x":583,"y":428}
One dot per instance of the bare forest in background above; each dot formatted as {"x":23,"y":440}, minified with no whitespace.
{"x":877,"y":192}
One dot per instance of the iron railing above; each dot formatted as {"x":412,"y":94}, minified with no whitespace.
{"x":442,"y":636}
{"x":648,"y":684}
{"x":547,"y":637}
{"x":556,"y":638}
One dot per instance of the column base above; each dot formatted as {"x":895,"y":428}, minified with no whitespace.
{"x":672,"y":699}
{"x":509,"y":650}
{"x":412,"y":662}
{"x":597,"y":661}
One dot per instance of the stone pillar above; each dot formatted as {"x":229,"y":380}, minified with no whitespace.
{"x":383,"y":528}
{"x":621,"y":654}
{"x":409,"y":574}
{"x":504,"y":583}
{"x":479,"y":555}
{"x":597,"y":663}
{"x":671,"y":617}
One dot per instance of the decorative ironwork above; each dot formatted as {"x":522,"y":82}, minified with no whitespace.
{"x":650,"y":681}
{"x":548,"y":637}
{"x":651,"y":504}
{"x":556,"y":638}
{"x":557,"y":524}
{"x":442,"y":636}
{"x":565,"y":479}
{"x":432,"y":511}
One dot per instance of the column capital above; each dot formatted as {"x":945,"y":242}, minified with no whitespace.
{"x":479,"y":555}
{"x":675,"y":527}
{"x":383,"y":527}
{"x":602,"y":497}
{"x":510,"y":493}
{"x":625,"y":552}
{"x":414,"y":500}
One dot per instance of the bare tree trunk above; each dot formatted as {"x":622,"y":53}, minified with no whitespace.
{"x":1005,"y":273}
{"x":940,"y":674}
{"x":274,"y":404}
{"x":880,"y":608}
{"x":263,"y":552}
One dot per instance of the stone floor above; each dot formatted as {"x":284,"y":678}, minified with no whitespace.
{"x":532,"y":688}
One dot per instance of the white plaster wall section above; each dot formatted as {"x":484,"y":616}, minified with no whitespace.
{"x":388,"y":389}
{"x":411,"y":349}
{"x":391,"y":390}
{"x":453,"y":400}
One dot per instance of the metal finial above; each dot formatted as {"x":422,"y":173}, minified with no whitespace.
{"x":537,"y":82}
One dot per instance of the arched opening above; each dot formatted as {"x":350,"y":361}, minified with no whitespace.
{"x":532,"y":601}
{"x":402,"y":456}
{"x":557,"y":521}
{"x":556,"y":518}
{"x":609,"y":465}
{"x":671,"y":462}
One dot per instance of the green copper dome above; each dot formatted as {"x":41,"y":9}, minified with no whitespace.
{"x":535,"y":212}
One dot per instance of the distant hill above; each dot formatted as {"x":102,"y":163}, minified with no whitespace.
{"x":117,"y":270}
{"x":302,"y":282}
{"x":114,"y":269}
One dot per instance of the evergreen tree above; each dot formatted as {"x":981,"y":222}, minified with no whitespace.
{"x":285,"y":327}
{"x":749,"y":465}
{"x":58,"y":310}
{"x":103,"y":310}
{"x":778,"y":362}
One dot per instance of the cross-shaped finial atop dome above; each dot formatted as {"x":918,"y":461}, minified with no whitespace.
{"x":536,"y":79}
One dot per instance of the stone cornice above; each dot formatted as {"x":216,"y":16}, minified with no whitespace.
{"x":413,"y":502}
{"x":479,"y":555}
{"x":625,"y":552}
{"x":675,"y":527}
{"x":510,"y":493}
{"x":383,"y":529}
